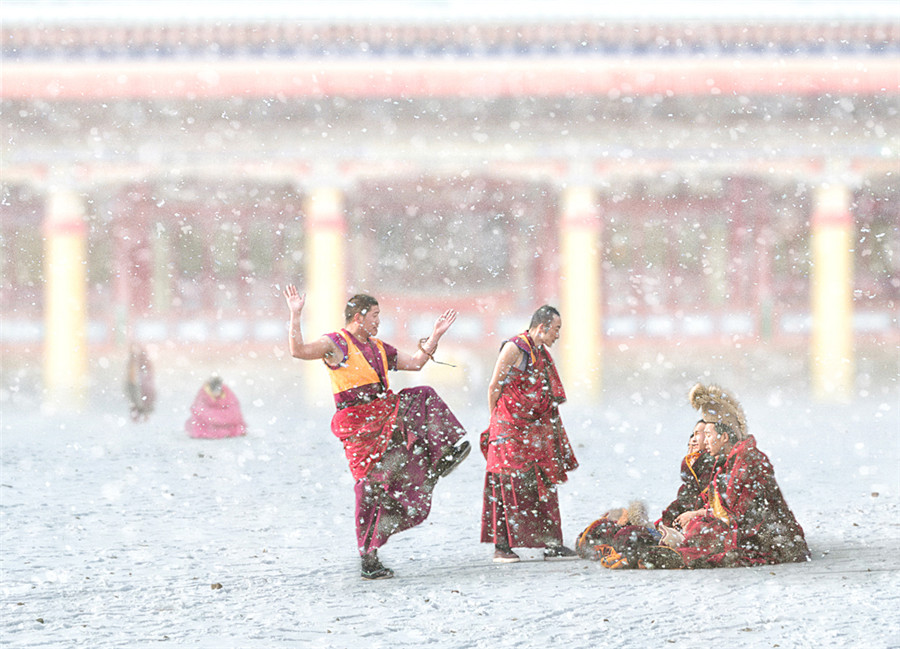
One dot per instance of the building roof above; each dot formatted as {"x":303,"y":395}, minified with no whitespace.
{"x":123,"y":12}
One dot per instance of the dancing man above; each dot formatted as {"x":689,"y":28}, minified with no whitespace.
{"x":397,"y":444}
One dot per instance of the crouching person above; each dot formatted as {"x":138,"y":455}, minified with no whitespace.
{"x":215,"y":413}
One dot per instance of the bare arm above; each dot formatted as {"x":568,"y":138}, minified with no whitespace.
{"x":415,"y":362}
{"x":509,"y":356}
{"x":321,"y":348}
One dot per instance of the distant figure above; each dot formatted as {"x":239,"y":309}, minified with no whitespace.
{"x":139,"y":383}
{"x":215,"y":413}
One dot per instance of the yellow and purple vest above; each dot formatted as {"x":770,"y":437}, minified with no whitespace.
{"x":355,"y":380}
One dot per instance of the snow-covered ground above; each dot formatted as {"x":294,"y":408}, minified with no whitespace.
{"x":117,"y":534}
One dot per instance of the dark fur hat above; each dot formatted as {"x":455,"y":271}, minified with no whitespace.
{"x":717,"y":404}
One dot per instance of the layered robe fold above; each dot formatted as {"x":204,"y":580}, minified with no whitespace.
{"x":696,"y":472}
{"x":528,"y":454}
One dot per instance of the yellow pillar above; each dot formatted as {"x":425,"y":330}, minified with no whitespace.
{"x":580,"y":294}
{"x":832,"y":362}
{"x":65,"y":302}
{"x":325,"y":276}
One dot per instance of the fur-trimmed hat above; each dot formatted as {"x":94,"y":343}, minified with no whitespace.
{"x":717,"y":404}
{"x":634,"y":514}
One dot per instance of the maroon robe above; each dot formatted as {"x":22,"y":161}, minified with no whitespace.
{"x":628,"y":540}
{"x":392,"y":441}
{"x":696,"y":472}
{"x":528,"y":454}
{"x":747,"y":521}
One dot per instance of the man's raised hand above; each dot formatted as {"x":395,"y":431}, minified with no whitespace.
{"x":444,"y":321}
{"x":294,"y":299}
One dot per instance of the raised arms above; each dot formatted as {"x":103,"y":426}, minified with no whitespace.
{"x":416,"y":361}
{"x":309,"y":351}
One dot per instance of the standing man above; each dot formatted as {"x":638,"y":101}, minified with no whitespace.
{"x":398,"y":445}
{"x":527,"y":449}
{"x":139,"y":387}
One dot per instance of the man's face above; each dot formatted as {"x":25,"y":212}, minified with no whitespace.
{"x":715,"y":443}
{"x":370,"y":321}
{"x":550,"y":333}
{"x":697,"y":442}
{"x":709,"y":434}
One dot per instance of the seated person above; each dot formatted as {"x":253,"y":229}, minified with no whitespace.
{"x":628,"y":532}
{"x":696,"y":471}
{"x":618,"y":538}
{"x":215,"y":412}
{"x":746,"y":520}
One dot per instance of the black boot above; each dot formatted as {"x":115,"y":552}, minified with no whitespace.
{"x":373,"y":569}
{"x":452,"y":459}
{"x":558,"y":551}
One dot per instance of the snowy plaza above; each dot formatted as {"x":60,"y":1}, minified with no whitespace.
{"x":117,"y":534}
{"x":707,"y":193}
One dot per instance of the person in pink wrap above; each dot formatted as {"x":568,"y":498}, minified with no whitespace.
{"x":215,"y":412}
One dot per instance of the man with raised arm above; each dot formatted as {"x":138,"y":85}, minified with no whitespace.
{"x":397,"y":444}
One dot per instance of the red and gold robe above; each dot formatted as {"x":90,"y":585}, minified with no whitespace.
{"x":393,"y":442}
{"x":746,"y":521}
{"x":526,"y":432}
{"x":366,"y":408}
{"x":696,"y":471}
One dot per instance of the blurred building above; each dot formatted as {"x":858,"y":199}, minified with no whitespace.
{"x":452,"y":158}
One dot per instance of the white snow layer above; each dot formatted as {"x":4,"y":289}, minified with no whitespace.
{"x":117,"y":534}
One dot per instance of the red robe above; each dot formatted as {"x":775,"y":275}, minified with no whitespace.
{"x":365,"y":431}
{"x":526,"y":432}
{"x":393,"y":441}
{"x":528,"y":454}
{"x":746,"y":521}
